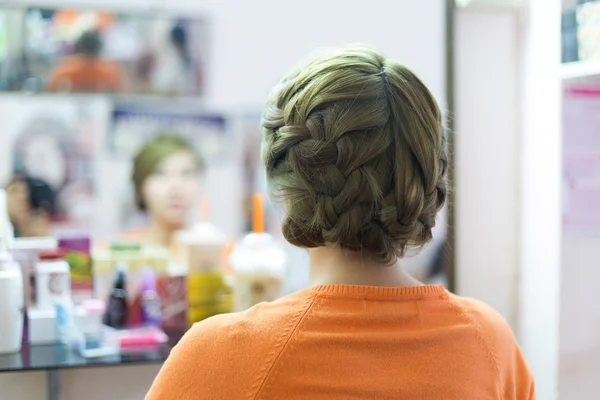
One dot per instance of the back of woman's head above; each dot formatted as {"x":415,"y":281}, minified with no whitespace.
{"x":89,"y":44}
{"x":354,"y":146}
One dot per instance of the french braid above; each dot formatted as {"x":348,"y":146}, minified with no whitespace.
{"x":354,"y":145}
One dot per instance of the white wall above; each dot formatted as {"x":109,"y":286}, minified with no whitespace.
{"x":487,"y":157}
{"x":580,"y":310}
{"x":254,"y":44}
{"x":580,"y":319}
{"x":508,"y":172}
{"x":541,"y":194}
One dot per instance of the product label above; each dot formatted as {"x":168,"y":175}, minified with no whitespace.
{"x":173,"y":303}
{"x":150,"y":308}
{"x":208,"y":294}
{"x":57,"y":283}
{"x":81,"y":272}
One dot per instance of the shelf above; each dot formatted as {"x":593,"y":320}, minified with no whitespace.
{"x":580,"y":69}
{"x":34,"y":244}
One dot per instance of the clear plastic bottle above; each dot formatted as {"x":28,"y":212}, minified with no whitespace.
{"x":259,"y":263}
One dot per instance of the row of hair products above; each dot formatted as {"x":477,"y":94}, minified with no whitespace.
{"x":54,"y":297}
{"x":34,"y":279}
{"x":212,"y":278}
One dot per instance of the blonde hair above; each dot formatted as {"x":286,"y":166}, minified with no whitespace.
{"x":354,"y":145}
{"x":152,"y":153}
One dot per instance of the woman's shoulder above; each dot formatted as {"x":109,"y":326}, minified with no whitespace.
{"x":497,"y":340}
{"x":257,"y":324}
{"x":230,"y":355}
{"x":483,"y":317}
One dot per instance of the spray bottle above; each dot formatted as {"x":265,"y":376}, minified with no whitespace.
{"x":12,"y":296}
{"x":149,"y":301}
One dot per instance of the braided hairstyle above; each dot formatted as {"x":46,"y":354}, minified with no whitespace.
{"x":354,"y":145}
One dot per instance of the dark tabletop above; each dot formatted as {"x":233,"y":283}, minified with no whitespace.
{"x":58,"y":356}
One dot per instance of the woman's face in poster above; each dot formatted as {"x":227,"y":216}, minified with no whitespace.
{"x":44,"y":159}
{"x":17,"y":197}
{"x":170,"y":191}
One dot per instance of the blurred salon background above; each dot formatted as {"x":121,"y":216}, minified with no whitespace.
{"x":130,"y":159}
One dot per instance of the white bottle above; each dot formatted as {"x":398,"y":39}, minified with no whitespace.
{"x":204,"y":248}
{"x":12,"y":296}
{"x":52,"y":279}
{"x":260,"y":268}
{"x":259,"y":264}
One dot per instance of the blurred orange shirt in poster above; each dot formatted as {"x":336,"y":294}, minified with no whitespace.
{"x":84,"y":74}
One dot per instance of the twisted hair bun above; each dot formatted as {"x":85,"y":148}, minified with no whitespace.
{"x":354,"y":145}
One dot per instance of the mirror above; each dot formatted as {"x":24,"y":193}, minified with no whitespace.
{"x":93,"y":51}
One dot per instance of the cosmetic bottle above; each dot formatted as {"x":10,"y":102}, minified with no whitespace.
{"x":12,"y":295}
{"x":38,"y":325}
{"x":12,"y":299}
{"x":52,"y":278}
{"x":259,"y":263}
{"x":77,"y":255}
{"x":52,"y":286}
{"x":204,"y":252}
{"x":66,"y":329}
{"x":116,"y":309}
{"x":204,"y":245}
{"x":149,"y":301}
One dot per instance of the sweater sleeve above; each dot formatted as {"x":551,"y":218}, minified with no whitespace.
{"x":201,"y":366}
{"x":229,"y":356}
{"x":515,"y":381}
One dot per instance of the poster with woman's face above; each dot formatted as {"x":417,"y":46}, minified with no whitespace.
{"x":55,"y":140}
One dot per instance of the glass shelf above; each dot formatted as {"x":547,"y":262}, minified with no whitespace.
{"x":55,"y":357}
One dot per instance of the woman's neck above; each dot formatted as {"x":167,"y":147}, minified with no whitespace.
{"x":161,"y":234}
{"x":333,"y":265}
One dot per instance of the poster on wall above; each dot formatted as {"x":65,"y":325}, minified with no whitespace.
{"x":133,"y":124}
{"x":581,"y":160}
{"x":50,"y":147}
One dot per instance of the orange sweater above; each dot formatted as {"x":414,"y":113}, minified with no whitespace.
{"x":81,"y":74}
{"x":350,"y":342}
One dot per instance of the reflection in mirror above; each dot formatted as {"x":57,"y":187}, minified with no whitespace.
{"x":83,"y":51}
{"x":68,"y":164}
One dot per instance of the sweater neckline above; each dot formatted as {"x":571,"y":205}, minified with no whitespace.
{"x":379,"y":291}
